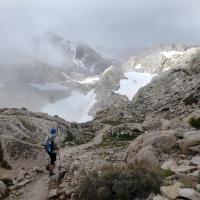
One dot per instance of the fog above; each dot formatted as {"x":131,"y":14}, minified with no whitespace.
{"x":114,"y":27}
{"x":33,"y":59}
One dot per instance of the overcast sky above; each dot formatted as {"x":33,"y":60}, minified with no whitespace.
{"x":113,"y":26}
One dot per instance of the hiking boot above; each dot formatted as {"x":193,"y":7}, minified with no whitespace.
{"x":51,"y":174}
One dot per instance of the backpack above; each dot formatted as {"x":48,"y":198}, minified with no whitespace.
{"x":49,"y":146}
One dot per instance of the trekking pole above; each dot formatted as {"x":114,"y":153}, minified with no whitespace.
{"x":59,"y":167}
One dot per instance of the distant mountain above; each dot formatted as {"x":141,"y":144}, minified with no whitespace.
{"x":53,"y":70}
{"x":81,"y":58}
{"x":80,"y":82}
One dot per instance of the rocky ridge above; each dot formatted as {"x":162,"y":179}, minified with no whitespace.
{"x":156,"y":125}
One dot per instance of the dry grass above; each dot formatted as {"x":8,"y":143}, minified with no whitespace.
{"x":124,"y":182}
{"x":195,"y":122}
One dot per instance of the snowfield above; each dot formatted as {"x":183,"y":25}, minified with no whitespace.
{"x":134,"y":81}
{"x":169,"y":54}
{"x":139,"y":66}
{"x":74,"y":108}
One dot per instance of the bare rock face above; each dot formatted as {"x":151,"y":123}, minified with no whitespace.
{"x":33,"y":127}
{"x":23,"y":133}
{"x":169,"y":95}
{"x":189,"y":193}
{"x":2,"y":190}
{"x":171,"y":192}
{"x":151,"y":146}
{"x":191,"y":139}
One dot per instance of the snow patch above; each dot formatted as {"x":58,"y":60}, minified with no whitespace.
{"x":69,"y":78}
{"x":169,"y":54}
{"x":73,"y":108}
{"x":89,"y":80}
{"x":166,"y":69}
{"x":49,"y":86}
{"x":139,"y":66}
{"x":78,"y":62}
{"x":107,"y":70}
{"x":134,"y":81}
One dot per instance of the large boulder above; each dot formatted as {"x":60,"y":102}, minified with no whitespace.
{"x":190,"y":139}
{"x":189,"y":193}
{"x":2,"y":190}
{"x":171,"y":192}
{"x":150,"y":145}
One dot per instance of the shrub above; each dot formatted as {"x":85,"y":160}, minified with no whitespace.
{"x":5,"y":165}
{"x":166,"y":173}
{"x":112,"y":122}
{"x":1,"y":152}
{"x":195,"y":122}
{"x":119,"y":139}
{"x":124,"y":183}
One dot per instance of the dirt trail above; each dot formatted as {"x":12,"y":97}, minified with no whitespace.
{"x":66,"y":152}
{"x":38,"y":190}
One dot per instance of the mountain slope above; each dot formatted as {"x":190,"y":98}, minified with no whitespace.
{"x":154,"y":126}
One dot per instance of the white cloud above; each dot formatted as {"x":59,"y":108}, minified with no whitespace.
{"x":113,"y":25}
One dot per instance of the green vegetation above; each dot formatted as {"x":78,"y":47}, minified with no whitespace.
{"x":69,"y":139}
{"x":166,"y":173}
{"x":119,"y":139}
{"x":1,"y":152}
{"x":195,"y":122}
{"x":5,"y":165}
{"x":198,"y":178}
{"x":122,"y":182}
{"x":112,"y":122}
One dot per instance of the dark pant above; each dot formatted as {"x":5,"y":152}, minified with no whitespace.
{"x":52,"y":158}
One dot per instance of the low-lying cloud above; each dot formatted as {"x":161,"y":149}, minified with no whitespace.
{"x":112,"y":26}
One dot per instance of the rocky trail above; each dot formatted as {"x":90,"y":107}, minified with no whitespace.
{"x":64,"y":153}
{"x":38,"y":190}
{"x":38,"y":187}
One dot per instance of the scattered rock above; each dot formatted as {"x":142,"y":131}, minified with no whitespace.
{"x":198,"y":187}
{"x":23,"y":183}
{"x":195,"y":174}
{"x":171,"y":192}
{"x":74,"y":196}
{"x":61,"y":174}
{"x":196,"y":160}
{"x":159,"y":197}
{"x":21,"y":176}
{"x":168,"y":164}
{"x":151,"y":196}
{"x":7,"y":181}
{"x":52,"y":193}
{"x":183,"y":169}
{"x":189,"y":193}
{"x":188,"y":142}
{"x":186,"y":178}
{"x":195,"y":149}
{"x":147,"y":153}
{"x":2,"y":189}
{"x":37,"y":169}
{"x":68,"y":191}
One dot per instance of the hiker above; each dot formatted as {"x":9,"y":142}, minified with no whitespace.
{"x":51,"y":148}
